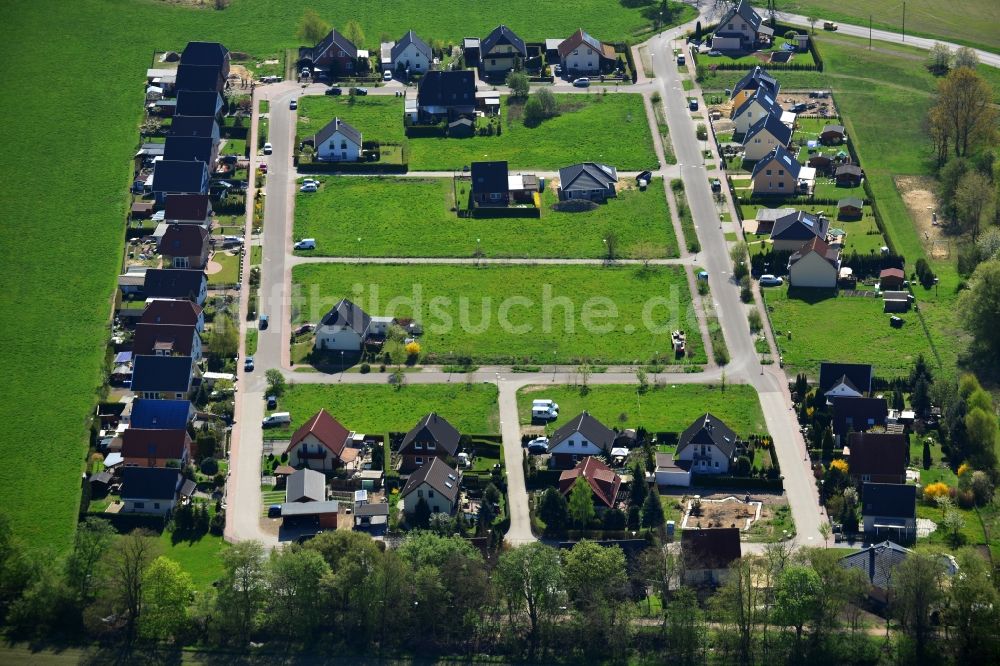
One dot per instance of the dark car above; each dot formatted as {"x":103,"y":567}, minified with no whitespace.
{"x":274,"y":511}
{"x":800,"y":107}
{"x":693,"y":103}
{"x":248,"y":364}
{"x":359,"y":91}
{"x":646,"y":176}
{"x":334,"y":90}
{"x":272,"y":402}
{"x":264,"y":321}
{"x":716,"y":185}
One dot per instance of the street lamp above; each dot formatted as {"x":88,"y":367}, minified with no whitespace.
{"x":359,"y":249}
{"x":553,"y":365}
{"x":341,"y":365}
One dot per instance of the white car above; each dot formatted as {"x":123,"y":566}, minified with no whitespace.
{"x":305,"y":244}
{"x":582,"y":83}
{"x":309,"y":187}
{"x":387,"y":75}
{"x":770,"y":281}
{"x":268,"y":148}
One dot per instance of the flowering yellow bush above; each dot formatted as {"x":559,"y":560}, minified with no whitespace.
{"x":963,"y":468}
{"x":413,"y":348}
{"x":935,"y":490}
{"x":840,"y":464}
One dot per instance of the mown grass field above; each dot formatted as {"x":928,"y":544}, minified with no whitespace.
{"x":580,"y":133}
{"x":201,"y":558}
{"x":669,"y":408}
{"x":413,"y":217}
{"x":514,"y":314}
{"x":812,"y":326}
{"x":381,"y":408}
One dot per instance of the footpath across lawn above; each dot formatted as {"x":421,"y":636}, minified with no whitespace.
{"x":413,"y":217}
{"x":666,"y":408}
{"x":514,"y":314}
{"x":381,"y":408}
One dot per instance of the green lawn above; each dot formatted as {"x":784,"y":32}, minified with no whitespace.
{"x":514,"y":314}
{"x":202,"y":558}
{"x":849,"y":329}
{"x":230,"y":273}
{"x":670,"y":408}
{"x":863,"y":236}
{"x":378,"y":118}
{"x":380,"y":408}
{"x":410,"y":217}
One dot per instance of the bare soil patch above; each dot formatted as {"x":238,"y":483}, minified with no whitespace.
{"x":816,"y":107}
{"x":213,"y":267}
{"x":921,"y":201}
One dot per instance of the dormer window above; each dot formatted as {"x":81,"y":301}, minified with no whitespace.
{"x":431,"y":446}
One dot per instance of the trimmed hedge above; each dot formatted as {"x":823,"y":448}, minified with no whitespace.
{"x":735,"y":482}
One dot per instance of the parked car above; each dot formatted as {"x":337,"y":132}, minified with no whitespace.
{"x":359,"y":91}
{"x":334,"y":90}
{"x":830,"y":25}
{"x":268,"y":149}
{"x":693,"y":103}
{"x":770,"y":281}
{"x":263,"y":322}
{"x":716,"y":185}
{"x":557,"y":70}
{"x":681,"y":60}
{"x":272,"y":402}
{"x":294,"y":104}
{"x":387,"y":75}
{"x":274,"y":511}
{"x":276,"y":419}
{"x":304,"y":328}
{"x":715,"y":53}
{"x":308,"y":187}
{"x":248,"y":364}
{"x":583,"y":82}
{"x":799,"y":108}
{"x":305,"y":244}
{"x":538,"y":446}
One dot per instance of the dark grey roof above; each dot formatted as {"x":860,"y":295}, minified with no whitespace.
{"x":503,"y":35}
{"x":102,"y":477}
{"x":891,"y":500}
{"x":198,"y":103}
{"x":773,"y":125}
{"x":489,"y":177}
{"x":162,"y":374}
{"x":334,"y":38}
{"x":757,"y":78}
{"x":438,"y":476}
{"x":833,"y":128}
{"x":860,"y":375}
{"x":799,"y":225}
{"x":780,"y":155}
{"x":180,"y":177}
{"x":744,"y":10}
{"x":193,"y":126}
{"x":305,"y":485}
{"x":767,"y":100}
{"x":188,"y":149}
{"x":877,"y":561}
{"x":199,"y":77}
{"x":337,"y":125}
{"x":456,"y":88}
{"x":585,"y":424}
{"x":347,"y":314}
{"x":708,"y":429}
{"x":411,"y":38}
{"x":587,"y":176}
{"x":205,"y":53}
{"x":850,"y":201}
{"x":152,"y":483}
{"x":859,"y":414}
{"x":378,"y":509}
{"x":173,"y":283}
{"x":432,"y":428}
{"x":309,"y":508}
{"x":715,"y":548}
{"x":849,"y":169}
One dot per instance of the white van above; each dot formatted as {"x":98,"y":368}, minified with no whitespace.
{"x":276,"y":419}
{"x":545,"y":404}
{"x":306,"y":244}
{"x":544,"y":413}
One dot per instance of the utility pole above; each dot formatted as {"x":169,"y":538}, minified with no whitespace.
{"x":904,"y":21}
{"x":869,"y":32}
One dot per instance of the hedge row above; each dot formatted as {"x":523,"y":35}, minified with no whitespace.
{"x":735,"y":482}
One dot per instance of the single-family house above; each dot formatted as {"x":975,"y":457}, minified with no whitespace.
{"x":160,"y":414}
{"x":792,"y":230}
{"x":501,"y":50}
{"x":582,"y":54}
{"x":166,"y":340}
{"x":318,"y":443}
{"x":176,"y":283}
{"x":162,"y":377}
{"x":179,"y":177}
{"x":200,"y":126}
{"x":338,"y":141}
{"x":815,"y":265}
{"x":845,"y":380}
{"x":178,"y":312}
{"x":708,"y":445}
{"x":581,"y":436}
{"x":207,"y":54}
{"x":150,"y":489}
{"x":832,"y":135}
{"x":848,"y":175}
{"x":433,"y":437}
{"x":336,"y":53}
{"x":858,"y":415}
{"x":707,"y":554}
{"x":156,"y":448}
{"x":489,"y":184}
{"x":891,"y":279}
{"x":191,"y":148}
{"x":188,"y":209}
{"x":850,"y":208}
{"x":749,"y":84}
{"x":759,"y":104}
{"x":741,"y":29}
{"x":305,"y":485}
{"x":764,"y":136}
{"x":411,"y":55}
{"x":588,"y":180}
{"x":346,"y":327}
{"x":672,"y":472}
{"x":446,"y":96}
{"x":199,"y":103}
{"x":604,"y":483}
{"x":889,"y":510}
{"x":776,"y":173}
{"x":437,"y":484}
{"x":877,"y":457}
{"x":184,"y":246}
{"x":879,"y":561}
{"x":200,"y":77}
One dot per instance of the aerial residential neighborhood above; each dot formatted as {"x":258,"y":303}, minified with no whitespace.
{"x":612,"y":332}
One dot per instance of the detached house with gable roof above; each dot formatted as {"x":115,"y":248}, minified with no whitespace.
{"x":188,"y":209}
{"x":162,"y":377}
{"x":338,"y":142}
{"x":858,"y":415}
{"x":437,"y":484}
{"x":176,"y":312}
{"x":764,"y":136}
{"x":582,"y":54}
{"x":758,"y":105}
{"x":336,"y":53}
{"x":411,"y":55}
{"x":176,"y":283}
{"x":816,"y":264}
{"x":889,"y":510}
{"x":604,"y":483}
{"x":877,"y":457}
{"x":708,"y":446}
{"x":179,"y":177}
{"x":776,"y":173}
{"x":150,"y":489}
{"x":446,"y":96}
{"x":433,"y":437}
{"x":489,"y":184}
{"x":501,"y":50}
{"x":707,"y":554}
{"x":741,"y":29}
{"x":318,"y":443}
{"x":184,"y":246}
{"x":753,"y":80}
{"x":845,"y":380}
{"x":581,"y":436}
{"x":346,"y":328}
{"x":588,"y":180}
{"x":166,"y":340}
{"x":796,"y":228}
{"x":207,"y":54}
{"x":156,"y":448}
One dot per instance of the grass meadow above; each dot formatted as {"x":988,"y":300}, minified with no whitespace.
{"x":663,"y":408}
{"x":413,"y":217}
{"x":514,"y":314}
{"x":381,"y":408}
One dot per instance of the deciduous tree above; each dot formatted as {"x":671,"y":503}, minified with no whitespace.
{"x":242,"y":589}
{"x":312,"y":27}
{"x":167,"y":593}
{"x":979,"y":308}
{"x":917,"y":591}
{"x":554,"y":511}
{"x":355,"y":33}
{"x":530,"y":578}
{"x":964,"y":111}
{"x":127,"y":562}
{"x":581,"y":502}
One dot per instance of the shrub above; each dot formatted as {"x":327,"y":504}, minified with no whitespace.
{"x":755,"y":322}
{"x":365,"y":368}
{"x":209,"y":466}
{"x":413,"y":348}
{"x":839,"y":464}
{"x":746,"y":293}
{"x":936,"y":490}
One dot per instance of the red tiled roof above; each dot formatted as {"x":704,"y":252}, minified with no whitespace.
{"x":604,"y":482}
{"x":180,"y":338}
{"x":326,"y":429}
{"x":184,"y":240}
{"x":175,"y":312}
{"x":892,"y":272}
{"x":143,"y":443}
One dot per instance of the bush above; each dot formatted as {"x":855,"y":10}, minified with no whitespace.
{"x":209,"y":466}
{"x":746,"y":293}
{"x":365,"y":368}
{"x":935,"y":490}
{"x":755,"y":321}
